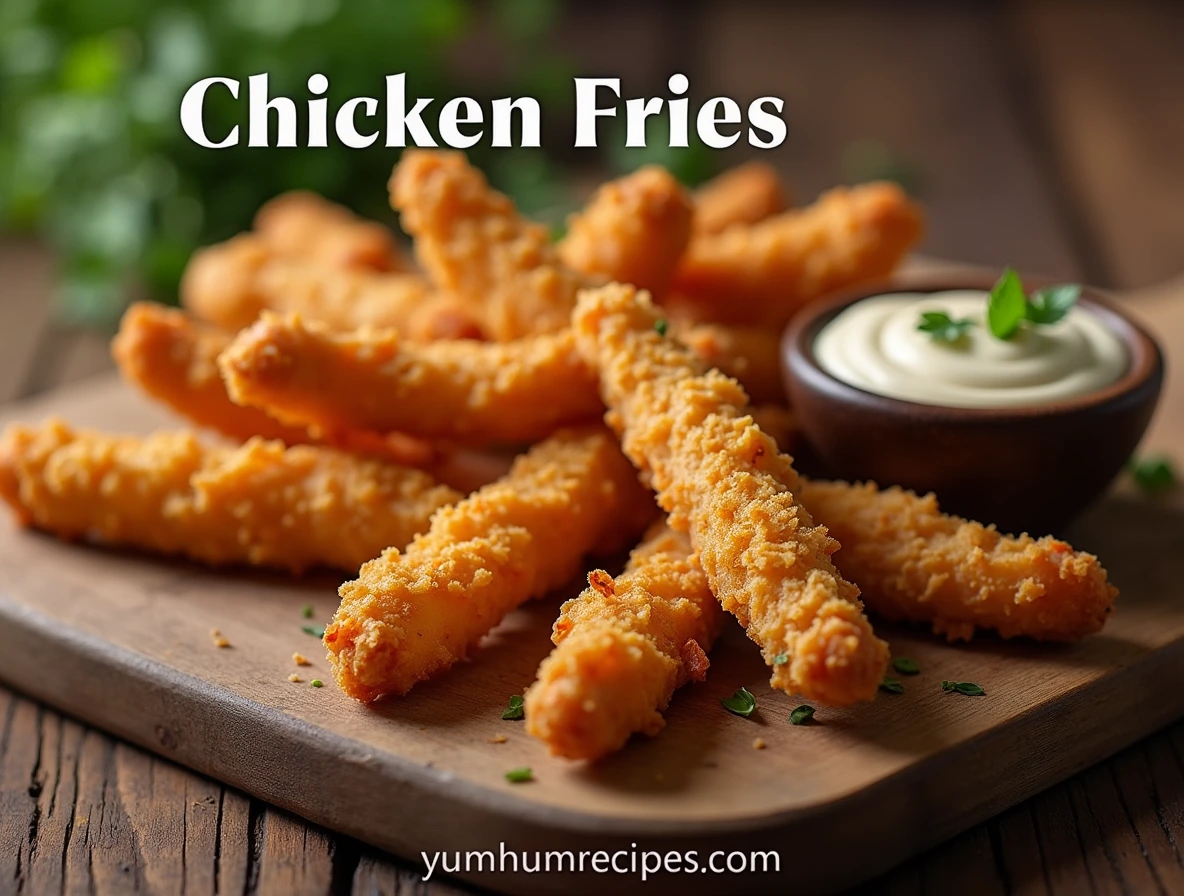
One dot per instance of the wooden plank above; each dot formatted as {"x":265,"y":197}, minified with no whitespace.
{"x":927,"y":86}
{"x":1106,"y":79}
{"x":82,"y":625}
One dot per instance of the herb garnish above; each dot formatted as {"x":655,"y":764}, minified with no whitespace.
{"x":317,"y":683}
{"x":661,"y":326}
{"x":519,"y":775}
{"x":905,"y":666}
{"x":781,"y":659}
{"x":1007,"y":307}
{"x":741,"y":703}
{"x":942,"y":328}
{"x":801,"y":715}
{"x":1153,"y":474}
{"x":317,"y":631}
{"x":1050,"y":304}
{"x":891,"y":685}
{"x":515,"y":710}
{"x":307,"y":611}
{"x":968,"y":688}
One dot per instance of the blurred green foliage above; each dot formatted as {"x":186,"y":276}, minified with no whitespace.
{"x":91,"y":150}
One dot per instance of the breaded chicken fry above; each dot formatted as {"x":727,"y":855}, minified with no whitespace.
{"x":622,"y":648}
{"x":762,"y":274}
{"x":411,"y":615}
{"x":742,"y":195}
{"x":724,"y":482}
{"x":173,"y":359}
{"x":304,"y":225}
{"x":372,"y":380}
{"x":915,"y":563}
{"x":473,"y":244}
{"x":232,"y":283}
{"x":260,"y":503}
{"x":634,"y":230}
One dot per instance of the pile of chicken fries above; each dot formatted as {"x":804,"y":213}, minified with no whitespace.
{"x":470,"y":427}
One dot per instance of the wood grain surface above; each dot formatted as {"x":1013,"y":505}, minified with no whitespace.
{"x":124,"y":642}
{"x":1076,"y":98}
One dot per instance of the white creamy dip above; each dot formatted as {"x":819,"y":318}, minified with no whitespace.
{"x":875,"y":345}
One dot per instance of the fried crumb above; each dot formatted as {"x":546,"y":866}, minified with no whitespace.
{"x":301,"y":660}
{"x":218,"y":638}
{"x":294,"y":678}
{"x":498,"y":739}
{"x":759,"y":744}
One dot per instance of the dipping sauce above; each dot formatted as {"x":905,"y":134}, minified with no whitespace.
{"x":875,"y":345}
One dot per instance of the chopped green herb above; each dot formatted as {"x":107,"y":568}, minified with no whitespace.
{"x":317,"y":683}
{"x":741,"y":703}
{"x":661,"y":326}
{"x":942,"y":328}
{"x":519,"y":775}
{"x":1153,"y":474}
{"x":781,"y":659}
{"x":1007,"y":307}
{"x":1052,"y":303}
{"x":317,"y":631}
{"x":905,"y":666}
{"x":969,"y":688}
{"x":515,"y":710}
{"x":801,"y":715}
{"x":891,"y":685}
{"x":307,"y":611}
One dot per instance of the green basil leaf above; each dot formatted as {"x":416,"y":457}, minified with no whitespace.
{"x":905,"y":666}
{"x":891,"y":685}
{"x":741,"y":703}
{"x":801,"y":715}
{"x":968,"y":688}
{"x":1052,"y":303}
{"x":1007,"y":306}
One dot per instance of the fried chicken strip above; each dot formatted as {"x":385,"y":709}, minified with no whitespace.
{"x":634,"y":230}
{"x":518,"y":391}
{"x":915,"y":563}
{"x":622,"y":648}
{"x":301,"y":224}
{"x":761,"y":274}
{"x":473,"y":244}
{"x":410,"y":615}
{"x":744,"y":194}
{"x":230,"y":284}
{"x":260,"y":503}
{"x":724,"y":482}
{"x":174,"y":359}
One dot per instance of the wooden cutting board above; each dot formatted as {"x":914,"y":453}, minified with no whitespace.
{"x":123,"y":642}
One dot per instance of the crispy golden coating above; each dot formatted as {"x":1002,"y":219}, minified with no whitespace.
{"x":915,"y":563}
{"x":413,"y":614}
{"x":305,"y":225}
{"x":372,"y":380}
{"x":634,"y":230}
{"x":174,"y":359}
{"x":622,"y":648}
{"x":761,"y":274}
{"x":723,"y":480}
{"x":473,"y":244}
{"x":259,"y":503}
{"x":742,"y":195}
{"x":232,"y":283}
{"x":751,"y":355}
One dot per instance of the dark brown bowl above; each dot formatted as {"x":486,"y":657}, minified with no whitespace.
{"x":1024,"y":469}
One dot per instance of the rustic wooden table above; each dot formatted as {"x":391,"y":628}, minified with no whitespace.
{"x":1044,"y":135}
